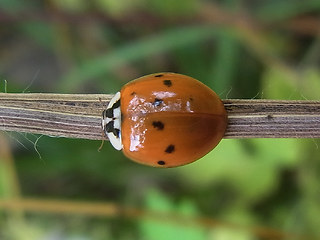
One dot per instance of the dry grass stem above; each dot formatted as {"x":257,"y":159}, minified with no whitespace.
{"x":79,"y":116}
{"x":105,"y":209}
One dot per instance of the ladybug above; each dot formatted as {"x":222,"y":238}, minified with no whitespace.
{"x":165,"y":120}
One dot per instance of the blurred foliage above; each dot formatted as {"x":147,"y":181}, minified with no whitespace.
{"x":241,"y":49}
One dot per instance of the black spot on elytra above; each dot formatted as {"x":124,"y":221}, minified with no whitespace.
{"x":157,"y":124}
{"x":159,"y":75}
{"x":157,"y":102}
{"x":191,"y":99}
{"x":168,"y":83}
{"x":133,"y":93}
{"x":161,"y":162}
{"x":170,"y":149}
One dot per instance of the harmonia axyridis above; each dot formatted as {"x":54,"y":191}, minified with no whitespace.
{"x":165,"y":120}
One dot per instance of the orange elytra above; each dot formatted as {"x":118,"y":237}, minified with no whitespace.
{"x":165,"y":120}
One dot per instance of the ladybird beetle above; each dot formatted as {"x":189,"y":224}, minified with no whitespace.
{"x":165,"y":120}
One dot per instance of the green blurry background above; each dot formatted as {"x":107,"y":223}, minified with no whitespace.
{"x":244,"y":189}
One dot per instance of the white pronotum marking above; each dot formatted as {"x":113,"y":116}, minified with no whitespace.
{"x":111,"y":122}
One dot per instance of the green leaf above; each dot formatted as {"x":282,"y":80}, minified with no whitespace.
{"x":250,"y":166}
{"x":146,"y":47}
{"x":169,"y":229}
{"x":280,"y":10}
{"x":279,"y":85}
